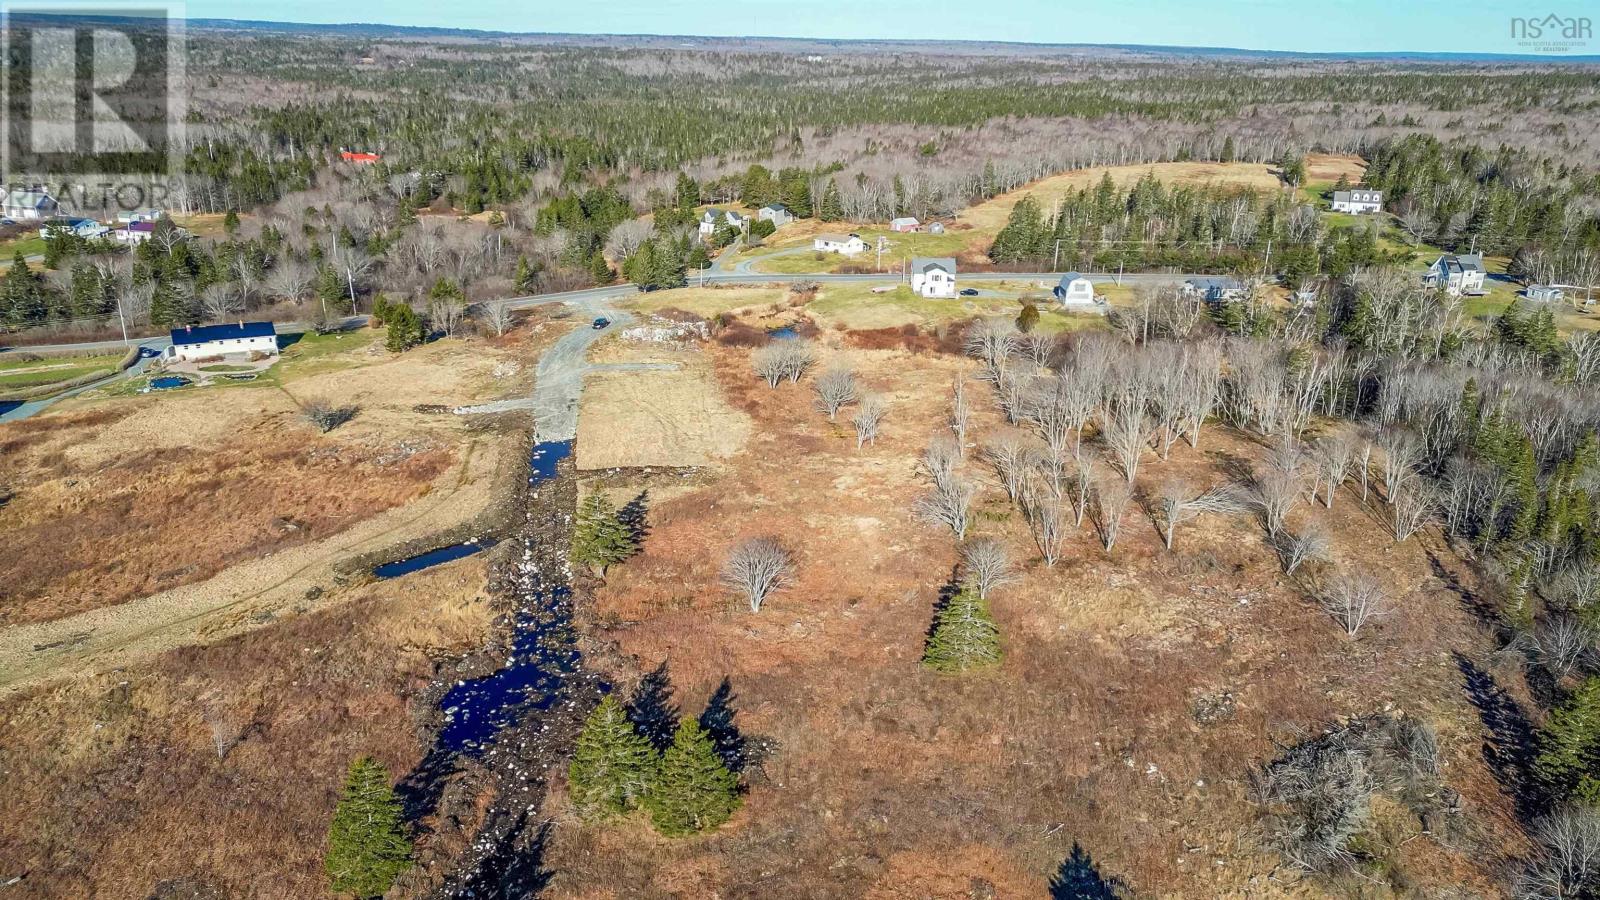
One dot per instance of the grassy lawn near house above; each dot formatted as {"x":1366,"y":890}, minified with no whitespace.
{"x":857,"y":307}
{"x":27,"y":372}
{"x":27,"y":246}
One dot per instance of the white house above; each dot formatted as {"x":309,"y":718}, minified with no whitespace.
{"x":710,"y":219}
{"x":30,"y":203}
{"x":735,"y":218}
{"x":1547,"y":292}
{"x":934,"y":276}
{"x":776,"y":213}
{"x":848,"y":244}
{"x":1074,"y":288}
{"x":138,"y":215}
{"x":904,"y":224}
{"x":1358,"y":201}
{"x":1457,"y":274}
{"x":136,"y":232}
{"x":84,"y":228}
{"x":197,"y":342}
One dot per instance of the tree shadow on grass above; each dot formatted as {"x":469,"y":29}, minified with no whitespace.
{"x":634,"y":516}
{"x":717,"y":720}
{"x":513,"y":869}
{"x":1080,"y":879}
{"x":652,"y":710}
{"x":946,"y":593}
{"x":1511,"y":745}
{"x":420,"y":790}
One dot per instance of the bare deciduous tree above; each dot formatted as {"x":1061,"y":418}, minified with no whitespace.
{"x":836,"y":388}
{"x":445,"y":313}
{"x":1401,"y":454}
{"x":949,"y":504}
{"x":1333,"y":456}
{"x":1354,"y":601}
{"x":1126,"y":432}
{"x":1563,"y":642}
{"x":1047,"y":520}
{"x":1295,"y":550}
{"x":940,"y":459}
{"x":991,"y":340}
{"x":1411,"y":508}
{"x":1007,"y":453}
{"x":1567,"y":866}
{"x":960,"y":412}
{"x":220,"y":303}
{"x":1180,"y":502}
{"x":987,"y":565}
{"x":869,"y":415}
{"x":1111,"y":499}
{"x":757,"y":568}
{"x":497,"y":315}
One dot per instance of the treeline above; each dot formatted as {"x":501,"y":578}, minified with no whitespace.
{"x":1187,"y":228}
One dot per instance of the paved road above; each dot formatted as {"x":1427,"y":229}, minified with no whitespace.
{"x":561,"y":370}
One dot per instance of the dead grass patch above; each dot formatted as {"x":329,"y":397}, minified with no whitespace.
{"x":221,"y":763}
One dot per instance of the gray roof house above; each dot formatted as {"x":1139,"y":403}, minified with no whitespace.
{"x":710,"y":219}
{"x":30,"y":203}
{"x":933,"y":276}
{"x":1457,"y":273}
{"x":1548,"y":292}
{"x":1215,"y":289}
{"x":776,"y":213}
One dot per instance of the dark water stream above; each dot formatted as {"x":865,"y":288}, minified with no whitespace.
{"x":543,"y":649}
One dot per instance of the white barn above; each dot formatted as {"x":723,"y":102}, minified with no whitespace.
{"x":848,"y":244}
{"x":934,"y":277}
{"x":1074,"y":289}
{"x":210,"y":341}
{"x":776,"y":213}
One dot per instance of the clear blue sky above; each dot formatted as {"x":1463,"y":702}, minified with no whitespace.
{"x":1478,"y":26}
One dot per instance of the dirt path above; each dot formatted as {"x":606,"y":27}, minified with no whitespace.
{"x":246,"y":596}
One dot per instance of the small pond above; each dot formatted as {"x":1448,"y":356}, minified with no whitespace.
{"x":431,"y":558}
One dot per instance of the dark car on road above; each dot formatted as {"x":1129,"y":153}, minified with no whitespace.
{"x":601,"y":323}
{"x":969,"y":292}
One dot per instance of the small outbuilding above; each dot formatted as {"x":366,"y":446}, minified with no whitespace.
{"x":904,"y":224}
{"x":1546,"y":292}
{"x":197,"y":342}
{"x":1074,"y":289}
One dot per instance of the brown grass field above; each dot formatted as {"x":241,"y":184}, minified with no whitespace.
{"x":217,"y":766}
{"x":105,"y":490}
{"x":885,"y":780}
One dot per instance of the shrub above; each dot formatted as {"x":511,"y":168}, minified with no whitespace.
{"x":325,"y":416}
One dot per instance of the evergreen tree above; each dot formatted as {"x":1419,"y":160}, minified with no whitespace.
{"x":964,"y":635}
{"x":1569,"y":747}
{"x":612,"y":764}
{"x":599,"y":269}
{"x":22,"y":297}
{"x":230,"y":222}
{"x":693,"y":789}
{"x":832,"y":205}
{"x":526,"y":279}
{"x":367,"y":842}
{"x":601,"y":539}
{"x":404,"y":328}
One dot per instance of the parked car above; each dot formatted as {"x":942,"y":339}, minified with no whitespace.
{"x":601,"y":323}
{"x":969,"y":292}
